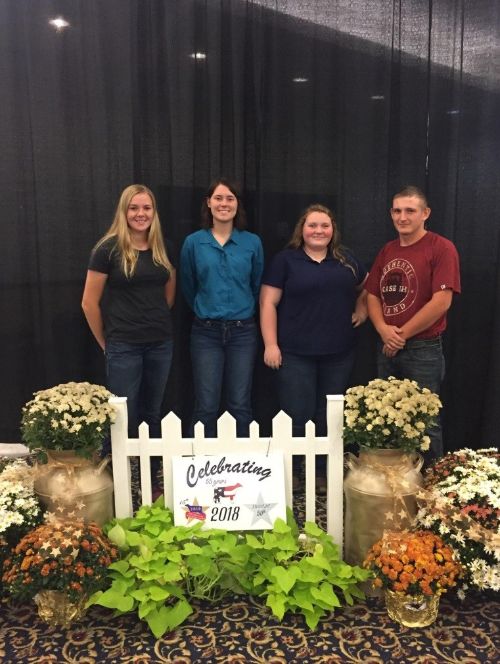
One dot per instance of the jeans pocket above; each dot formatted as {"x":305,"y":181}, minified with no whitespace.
{"x":428,"y":353}
{"x":113,"y":348}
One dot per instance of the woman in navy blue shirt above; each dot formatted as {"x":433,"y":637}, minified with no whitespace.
{"x":311,"y":300}
{"x":221,"y":268}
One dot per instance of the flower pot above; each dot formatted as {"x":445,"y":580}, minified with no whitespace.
{"x":412,"y":610}
{"x":379,"y":488}
{"x":72,"y":486}
{"x":55,"y":608}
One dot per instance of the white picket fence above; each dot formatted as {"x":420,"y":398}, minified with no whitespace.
{"x":173,"y":444}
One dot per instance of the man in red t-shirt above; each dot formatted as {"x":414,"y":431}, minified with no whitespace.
{"x":410,"y":289}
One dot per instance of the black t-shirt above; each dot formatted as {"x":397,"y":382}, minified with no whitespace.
{"x":134,"y":309}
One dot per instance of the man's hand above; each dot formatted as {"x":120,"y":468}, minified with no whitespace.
{"x":388,"y":352}
{"x":391,"y":337}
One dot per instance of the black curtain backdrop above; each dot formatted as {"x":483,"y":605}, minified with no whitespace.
{"x":336,"y":101}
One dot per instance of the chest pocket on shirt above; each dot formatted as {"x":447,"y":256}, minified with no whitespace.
{"x":236,"y":262}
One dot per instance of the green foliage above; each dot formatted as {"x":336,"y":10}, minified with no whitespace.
{"x":163,"y":566}
{"x":299,"y":573}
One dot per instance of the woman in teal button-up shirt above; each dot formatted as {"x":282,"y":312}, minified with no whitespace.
{"x":221,"y":269}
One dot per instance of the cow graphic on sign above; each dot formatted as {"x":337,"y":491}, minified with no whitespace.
{"x":222,"y":492}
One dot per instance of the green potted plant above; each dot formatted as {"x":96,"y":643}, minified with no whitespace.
{"x":302,"y":573}
{"x":164,"y":567}
{"x":389,"y":421}
{"x":68,"y":424}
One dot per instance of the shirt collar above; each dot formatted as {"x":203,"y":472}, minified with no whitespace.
{"x":208,"y":238}
{"x":305,"y":257}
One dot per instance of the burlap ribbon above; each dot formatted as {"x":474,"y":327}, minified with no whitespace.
{"x":378,"y":496}
{"x":70,"y":465}
{"x":395,"y":477}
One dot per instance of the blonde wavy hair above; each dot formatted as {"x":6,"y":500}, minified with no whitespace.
{"x":120,"y":231}
{"x":334,"y":246}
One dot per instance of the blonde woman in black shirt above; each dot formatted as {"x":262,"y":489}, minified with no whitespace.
{"x":129,"y":291}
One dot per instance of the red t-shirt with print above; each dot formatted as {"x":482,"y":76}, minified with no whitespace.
{"x":405,"y":278}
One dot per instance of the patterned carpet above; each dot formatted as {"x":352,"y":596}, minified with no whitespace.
{"x":240,"y":630}
{"x":243,"y":631}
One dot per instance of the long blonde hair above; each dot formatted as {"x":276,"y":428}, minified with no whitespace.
{"x":119,"y":229}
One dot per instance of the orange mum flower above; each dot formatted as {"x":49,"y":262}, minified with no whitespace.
{"x":413,"y":563}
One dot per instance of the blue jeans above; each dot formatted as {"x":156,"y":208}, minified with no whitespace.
{"x":305,"y":380}
{"x":421,"y":360}
{"x":223,"y":355}
{"x":140,"y":373}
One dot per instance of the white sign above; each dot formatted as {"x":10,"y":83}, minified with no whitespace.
{"x":229,"y":491}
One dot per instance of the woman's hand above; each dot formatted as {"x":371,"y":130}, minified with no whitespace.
{"x":360,"y":313}
{"x":272,"y":356}
{"x":269,"y":300}
{"x":358,"y":317}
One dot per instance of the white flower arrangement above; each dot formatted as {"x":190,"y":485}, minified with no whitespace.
{"x":70,"y":416}
{"x":20,"y":510}
{"x":390,"y":413}
{"x":462,"y":505}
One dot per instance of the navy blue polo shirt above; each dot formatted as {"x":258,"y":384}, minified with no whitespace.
{"x":314,"y":313}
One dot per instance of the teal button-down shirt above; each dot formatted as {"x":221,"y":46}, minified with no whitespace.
{"x":222,"y":282}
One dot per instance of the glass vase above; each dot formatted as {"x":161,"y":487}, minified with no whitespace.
{"x":56,"y":609}
{"x":412,"y":610}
